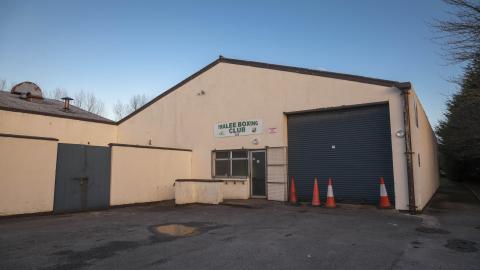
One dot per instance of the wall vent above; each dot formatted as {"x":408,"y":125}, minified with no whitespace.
{"x":27,"y":90}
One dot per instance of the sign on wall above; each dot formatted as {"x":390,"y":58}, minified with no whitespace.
{"x":238,"y":128}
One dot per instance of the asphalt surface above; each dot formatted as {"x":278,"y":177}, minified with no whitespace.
{"x":267,"y":235}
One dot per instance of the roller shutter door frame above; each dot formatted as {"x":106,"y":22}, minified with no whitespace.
{"x":352,"y":145}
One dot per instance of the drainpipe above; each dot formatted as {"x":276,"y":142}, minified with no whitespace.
{"x":406,"y":87}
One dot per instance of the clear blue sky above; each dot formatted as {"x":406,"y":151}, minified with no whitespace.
{"x":120,"y":48}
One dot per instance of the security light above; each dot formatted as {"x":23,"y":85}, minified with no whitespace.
{"x":400,"y":133}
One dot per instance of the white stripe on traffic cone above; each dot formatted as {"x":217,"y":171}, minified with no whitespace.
{"x":330,"y":199}
{"x":384,"y":201}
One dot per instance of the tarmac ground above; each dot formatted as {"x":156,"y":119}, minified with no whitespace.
{"x":256,"y":234}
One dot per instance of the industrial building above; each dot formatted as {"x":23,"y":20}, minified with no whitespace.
{"x":239,"y":128}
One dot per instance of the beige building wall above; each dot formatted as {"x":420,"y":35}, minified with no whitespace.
{"x":185,"y":118}
{"x":27,"y":175}
{"x":425,"y":158}
{"x":64,"y":129}
{"x":146,"y":174}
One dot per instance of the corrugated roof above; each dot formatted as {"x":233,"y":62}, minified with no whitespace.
{"x":48,"y":107}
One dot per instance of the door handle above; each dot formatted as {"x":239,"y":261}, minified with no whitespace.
{"x":82,"y":180}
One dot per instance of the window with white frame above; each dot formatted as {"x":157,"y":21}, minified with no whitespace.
{"x":230,"y":163}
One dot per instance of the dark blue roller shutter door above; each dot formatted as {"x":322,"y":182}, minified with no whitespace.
{"x":352,"y":146}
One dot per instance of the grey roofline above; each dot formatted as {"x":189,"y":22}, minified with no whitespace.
{"x":306,"y":71}
{"x":57,"y":115}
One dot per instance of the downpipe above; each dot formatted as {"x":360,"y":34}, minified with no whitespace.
{"x":405,"y":88}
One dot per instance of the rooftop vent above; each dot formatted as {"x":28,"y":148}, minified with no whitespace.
{"x":66,"y":104}
{"x":27,"y":90}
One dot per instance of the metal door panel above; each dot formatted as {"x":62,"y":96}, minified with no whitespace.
{"x":98,"y":172}
{"x":82,"y":180}
{"x":258,"y":174}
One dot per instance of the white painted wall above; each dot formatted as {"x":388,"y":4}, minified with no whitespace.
{"x":27,"y":175}
{"x":64,"y":129}
{"x":425,"y":158}
{"x":141,"y":175}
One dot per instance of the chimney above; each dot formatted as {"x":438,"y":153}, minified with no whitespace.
{"x":66,"y":104}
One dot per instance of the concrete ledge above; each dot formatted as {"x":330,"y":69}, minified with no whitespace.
{"x":197,"y":180}
{"x":198,"y":191}
{"x":27,"y":137}
{"x":148,"y":147}
{"x":236,"y":189}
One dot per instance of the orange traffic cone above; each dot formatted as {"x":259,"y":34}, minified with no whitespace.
{"x":293,"y":193}
{"x":330,"y":199}
{"x":384,"y":201}
{"x":316,"y":195}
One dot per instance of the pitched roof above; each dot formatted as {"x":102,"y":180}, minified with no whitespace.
{"x":306,"y":71}
{"x":48,"y":107}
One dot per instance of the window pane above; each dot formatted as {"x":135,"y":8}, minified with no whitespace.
{"x":222,"y":155}
{"x":239,"y":154}
{"x":221,"y":168}
{"x":239,"y":167}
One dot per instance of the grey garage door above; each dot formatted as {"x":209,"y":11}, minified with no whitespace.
{"x":352,"y":146}
{"x":82,"y":180}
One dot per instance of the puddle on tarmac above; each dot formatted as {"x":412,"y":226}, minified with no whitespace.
{"x":177,"y":230}
{"x":172,"y":231}
{"x":461,"y":245}
{"x":431,"y":230}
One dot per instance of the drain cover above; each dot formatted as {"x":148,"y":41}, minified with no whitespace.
{"x":461,"y":245}
{"x":177,"y":230}
{"x":431,"y":230}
